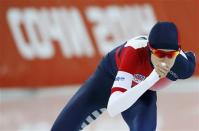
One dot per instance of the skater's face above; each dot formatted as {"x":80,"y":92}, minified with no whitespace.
{"x":163,"y":60}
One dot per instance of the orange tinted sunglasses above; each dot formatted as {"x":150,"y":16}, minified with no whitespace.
{"x":161,"y":54}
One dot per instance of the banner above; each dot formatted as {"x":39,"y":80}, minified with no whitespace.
{"x":49,"y":43}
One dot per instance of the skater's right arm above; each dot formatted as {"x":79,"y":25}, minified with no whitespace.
{"x":120,"y":101}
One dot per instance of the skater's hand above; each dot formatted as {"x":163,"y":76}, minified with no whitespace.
{"x":162,"y":69}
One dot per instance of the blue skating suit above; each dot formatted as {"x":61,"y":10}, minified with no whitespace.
{"x":92,"y":97}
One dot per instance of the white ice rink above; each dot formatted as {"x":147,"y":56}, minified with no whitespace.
{"x":36,"y":109}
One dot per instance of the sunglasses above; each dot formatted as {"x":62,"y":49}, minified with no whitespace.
{"x":162,"y":54}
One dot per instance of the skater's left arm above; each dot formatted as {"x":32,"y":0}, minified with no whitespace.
{"x":183,"y":67}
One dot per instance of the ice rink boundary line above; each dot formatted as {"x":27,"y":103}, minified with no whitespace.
{"x":180,"y":86}
{"x":183,"y":86}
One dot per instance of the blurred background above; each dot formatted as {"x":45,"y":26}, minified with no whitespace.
{"x":48,"y":48}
